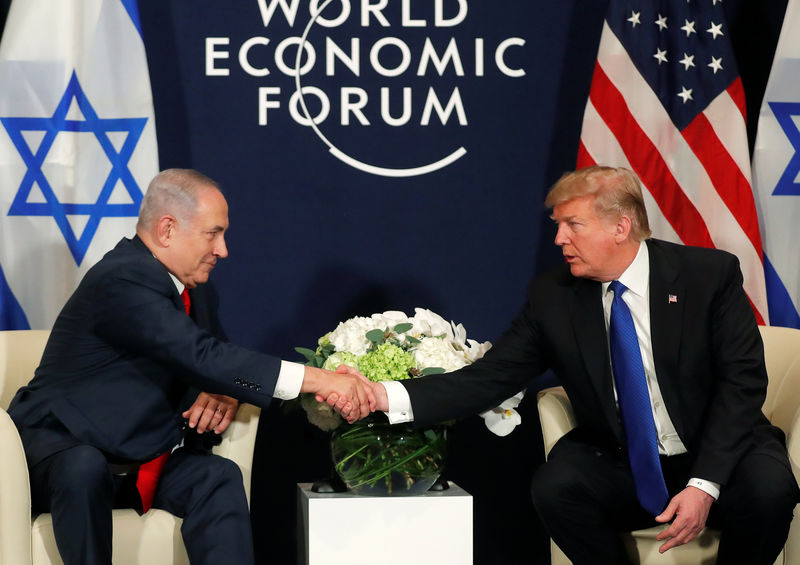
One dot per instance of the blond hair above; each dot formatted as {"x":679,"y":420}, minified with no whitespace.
{"x":616,"y":191}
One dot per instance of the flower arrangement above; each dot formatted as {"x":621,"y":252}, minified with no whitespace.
{"x":394,"y":346}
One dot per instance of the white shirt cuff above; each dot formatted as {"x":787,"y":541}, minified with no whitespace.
{"x":399,"y":403}
{"x":290,"y":379}
{"x":705,"y":486}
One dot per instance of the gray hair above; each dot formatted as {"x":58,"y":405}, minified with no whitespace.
{"x":616,"y":191}
{"x":173,"y":191}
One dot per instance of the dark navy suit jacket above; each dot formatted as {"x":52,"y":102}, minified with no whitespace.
{"x":707,"y":349}
{"x":121,"y":358}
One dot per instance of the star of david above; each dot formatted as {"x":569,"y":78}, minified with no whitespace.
{"x":120,"y":173}
{"x":787,"y":185}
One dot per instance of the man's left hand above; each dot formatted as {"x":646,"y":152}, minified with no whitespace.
{"x":690,"y":509}
{"x":211,"y":412}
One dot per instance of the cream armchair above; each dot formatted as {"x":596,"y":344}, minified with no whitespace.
{"x":152,"y":539}
{"x":782,"y":353}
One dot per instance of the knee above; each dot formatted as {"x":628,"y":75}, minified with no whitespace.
{"x":775,"y":500}
{"x":229,"y":471}
{"x":549,"y":488}
{"x":220,"y":471}
{"x":81,"y":470}
{"x":766,"y":493}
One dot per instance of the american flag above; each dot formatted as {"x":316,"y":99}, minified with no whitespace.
{"x":667,"y":102}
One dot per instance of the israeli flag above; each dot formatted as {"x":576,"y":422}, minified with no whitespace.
{"x":77,"y":147}
{"x":776,"y":166}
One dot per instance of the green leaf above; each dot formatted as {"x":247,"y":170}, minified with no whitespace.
{"x":412,"y":340}
{"x":402,"y":328}
{"x":307,"y":353}
{"x":432,"y":371}
{"x":375,"y":336}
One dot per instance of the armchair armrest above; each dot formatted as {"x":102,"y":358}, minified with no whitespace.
{"x":239,"y":440}
{"x":792,"y":548}
{"x":555,"y":415}
{"x":15,"y":496}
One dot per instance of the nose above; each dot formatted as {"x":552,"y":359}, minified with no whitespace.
{"x":221,"y":248}
{"x":561,"y":236}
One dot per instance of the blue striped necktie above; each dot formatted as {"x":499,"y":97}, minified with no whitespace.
{"x":634,"y":403}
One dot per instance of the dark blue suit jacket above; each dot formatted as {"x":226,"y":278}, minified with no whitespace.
{"x":120,"y":359}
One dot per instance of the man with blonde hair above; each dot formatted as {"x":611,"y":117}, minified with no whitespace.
{"x":658,"y":349}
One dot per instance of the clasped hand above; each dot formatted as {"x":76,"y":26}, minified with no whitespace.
{"x":346,"y":390}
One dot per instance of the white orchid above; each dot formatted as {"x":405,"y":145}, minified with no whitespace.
{"x":476,"y":350}
{"x":502,"y":419}
{"x":389,"y":319}
{"x":430,"y":324}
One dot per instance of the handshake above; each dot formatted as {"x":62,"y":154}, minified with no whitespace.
{"x":346,"y":390}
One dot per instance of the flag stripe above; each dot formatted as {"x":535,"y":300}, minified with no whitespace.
{"x":646,"y":161}
{"x":724,"y":114}
{"x":781,"y":308}
{"x":726,"y":177}
{"x":584,"y":159}
{"x":736,"y":92}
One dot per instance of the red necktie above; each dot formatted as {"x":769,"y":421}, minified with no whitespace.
{"x":147,"y":479}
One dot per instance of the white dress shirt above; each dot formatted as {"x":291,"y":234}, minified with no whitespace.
{"x":637,"y":279}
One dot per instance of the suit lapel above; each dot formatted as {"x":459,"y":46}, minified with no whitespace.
{"x":667,"y":300}
{"x":590,"y":331}
{"x":140,"y":247}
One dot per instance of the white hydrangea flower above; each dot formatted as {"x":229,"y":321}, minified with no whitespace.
{"x":351,"y":335}
{"x":437,"y":352}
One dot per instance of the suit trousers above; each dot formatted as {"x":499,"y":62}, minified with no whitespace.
{"x":585,"y":496}
{"x":77,"y":488}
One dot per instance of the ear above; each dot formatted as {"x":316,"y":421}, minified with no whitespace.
{"x":165,"y":229}
{"x":622,"y":229}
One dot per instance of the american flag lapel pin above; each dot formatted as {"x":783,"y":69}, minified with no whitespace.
{"x":672,"y":298}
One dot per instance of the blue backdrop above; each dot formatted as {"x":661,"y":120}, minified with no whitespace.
{"x":331,"y":223}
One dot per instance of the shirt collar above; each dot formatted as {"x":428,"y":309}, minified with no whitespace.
{"x":178,"y":284}
{"x":636,"y":277}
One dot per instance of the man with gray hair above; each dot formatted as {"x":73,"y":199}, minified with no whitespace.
{"x":658,"y":349}
{"x":117,"y":387}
